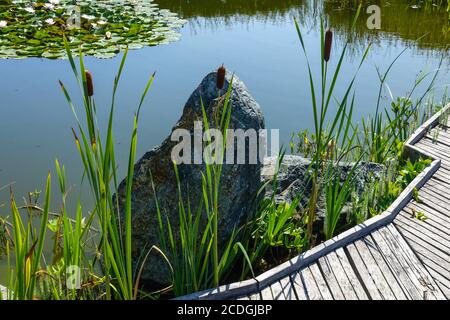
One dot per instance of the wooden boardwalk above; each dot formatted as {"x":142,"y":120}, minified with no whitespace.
{"x":392,"y":256}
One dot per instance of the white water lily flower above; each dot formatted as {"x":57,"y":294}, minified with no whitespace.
{"x":50,"y":21}
{"x":3,"y":24}
{"x":29,"y":9}
{"x":101,"y":22}
{"x":87,"y":17}
{"x":55,"y":2}
{"x":49,"y":6}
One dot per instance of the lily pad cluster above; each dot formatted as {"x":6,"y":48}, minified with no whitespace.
{"x":100,"y":28}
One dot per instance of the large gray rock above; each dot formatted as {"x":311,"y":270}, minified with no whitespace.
{"x":295,"y":173}
{"x":239,"y":183}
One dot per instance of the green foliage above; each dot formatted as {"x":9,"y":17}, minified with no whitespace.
{"x":336,"y":194}
{"x":275,"y":226}
{"x":410,"y":170}
{"x":28,"y":248}
{"x":378,"y":196}
{"x":278,"y":225}
{"x":36,"y":29}
{"x":419,"y":215}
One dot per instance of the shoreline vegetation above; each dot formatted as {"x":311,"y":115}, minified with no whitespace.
{"x":99,"y":242}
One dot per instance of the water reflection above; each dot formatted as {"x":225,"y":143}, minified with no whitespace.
{"x":401,"y":21}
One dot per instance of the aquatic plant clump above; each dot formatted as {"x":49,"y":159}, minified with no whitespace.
{"x":100,"y":28}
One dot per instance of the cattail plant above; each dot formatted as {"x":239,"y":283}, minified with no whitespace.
{"x":328,"y":45}
{"x":337,"y":130}
{"x":101,"y":171}
{"x":221,"y":77}
{"x":89,"y":84}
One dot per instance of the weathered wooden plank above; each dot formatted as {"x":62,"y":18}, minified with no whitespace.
{"x":433,"y":201}
{"x":433,"y":213}
{"x":353,"y":278}
{"x":442,"y":176}
{"x":311,"y":288}
{"x":442,"y":140}
{"x":437,"y":185}
{"x":444,"y":288}
{"x":441,"y":257}
{"x":266,"y":293}
{"x":392,"y":259}
{"x":362,"y":270}
{"x":331,"y":279}
{"x":436,"y":199}
{"x":255,"y":296}
{"x":426,"y":149}
{"x":432,"y":148}
{"x":434,"y":153}
{"x":416,"y":271}
{"x":298,"y":286}
{"x":321,"y":282}
{"x":288,"y":289}
{"x":423,"y":231}
{"x":441,"y":132}
{"x":432,"y":210}
{"x":441,"y":136}
{"x":440,"y":145}
{"x":375,"y":271}
{"x":429,"y":224}
{"x":436,"y":271}
{"x":331,"y":261}
{"x":409,"y":261}
{"x":277,"y":291}
{"x":389,"y":273}
{"x":427,"y":227}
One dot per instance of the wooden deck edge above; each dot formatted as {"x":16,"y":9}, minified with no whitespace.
{"x":254,"y":285}
{"x":430,"y":123}
{"x":225,"y":292}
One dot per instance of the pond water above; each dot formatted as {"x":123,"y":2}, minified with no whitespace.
{"x":256,"y":39}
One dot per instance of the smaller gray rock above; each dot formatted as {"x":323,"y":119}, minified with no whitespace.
{"x":295,"y":173}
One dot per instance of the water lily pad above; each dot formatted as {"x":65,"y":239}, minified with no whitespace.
{"x":99,"y":28}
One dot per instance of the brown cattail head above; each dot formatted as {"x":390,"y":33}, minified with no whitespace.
{"x":328,"y":44}
{"x":89,"y":84}
{"x":221,"y":77}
